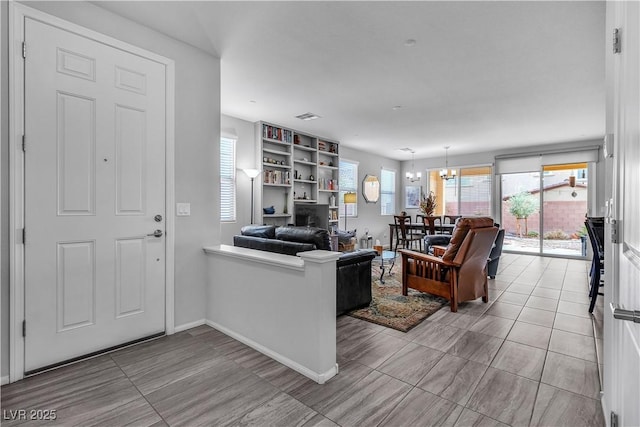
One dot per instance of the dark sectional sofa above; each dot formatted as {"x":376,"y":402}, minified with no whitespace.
{"x":353,"y":269}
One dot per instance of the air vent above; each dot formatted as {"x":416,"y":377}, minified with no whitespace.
{"x":308,"y":116}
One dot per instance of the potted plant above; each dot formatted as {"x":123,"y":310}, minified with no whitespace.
{"x":428,"y":204}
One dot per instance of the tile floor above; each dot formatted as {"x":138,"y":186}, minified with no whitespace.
{"x":526,"y":358}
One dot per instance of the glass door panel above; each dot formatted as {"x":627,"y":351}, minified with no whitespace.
{"x":564,"y":206}
{"x":520,"y":206}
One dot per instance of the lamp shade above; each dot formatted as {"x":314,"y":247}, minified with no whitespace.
{"x":252,"y":173}
{"x":350,"y":198}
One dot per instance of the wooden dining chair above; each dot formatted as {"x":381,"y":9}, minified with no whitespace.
{"x":432,"y":224}
{"x":404,"y":233}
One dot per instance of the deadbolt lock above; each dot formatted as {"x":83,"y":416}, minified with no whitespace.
{"x":158,"y":218}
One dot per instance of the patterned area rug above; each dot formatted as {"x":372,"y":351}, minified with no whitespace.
{"x":392,"y":309}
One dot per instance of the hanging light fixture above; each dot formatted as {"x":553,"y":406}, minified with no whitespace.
{"x":445,"y":173}
{"x":413,"y":176}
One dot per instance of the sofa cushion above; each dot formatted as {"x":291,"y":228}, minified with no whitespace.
{"x":463,"y":225}
{"x":316,"y":236}
{"x":272,"y":245}
{"x":264,"y":231}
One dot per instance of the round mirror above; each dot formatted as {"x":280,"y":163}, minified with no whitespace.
{"x":371,"y":188}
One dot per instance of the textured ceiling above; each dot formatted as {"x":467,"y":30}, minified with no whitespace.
{"x":480,"y":76}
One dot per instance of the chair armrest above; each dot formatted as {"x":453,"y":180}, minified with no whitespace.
{"x":407,"y":253}
{"x":439,"y":250}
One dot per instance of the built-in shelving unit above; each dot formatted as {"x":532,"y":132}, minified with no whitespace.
{"x":296,"y":168}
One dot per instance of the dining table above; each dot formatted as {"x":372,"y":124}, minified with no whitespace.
{"x":441,"y":228}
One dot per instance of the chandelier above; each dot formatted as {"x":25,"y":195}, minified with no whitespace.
{"x":445,"y":173}
{"x":413,"y":176}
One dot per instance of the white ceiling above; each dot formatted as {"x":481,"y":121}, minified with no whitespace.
{"x":481,"y":75}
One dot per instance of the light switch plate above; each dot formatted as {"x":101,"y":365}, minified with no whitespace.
{"x":183,"y":209}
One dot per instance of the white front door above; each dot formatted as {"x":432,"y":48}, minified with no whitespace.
{"x":94,"y":191}
{"x":622,"y":338}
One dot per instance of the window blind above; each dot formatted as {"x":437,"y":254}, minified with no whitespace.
{"x":534,"y":162}
{"x":227,"y":179}
{"x":387,"y":192}
{"x":348,"y":184}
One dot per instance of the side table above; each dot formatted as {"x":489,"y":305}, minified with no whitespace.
{"x":388,"y":256}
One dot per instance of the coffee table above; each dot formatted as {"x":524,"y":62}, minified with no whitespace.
{"x":386,"y":256}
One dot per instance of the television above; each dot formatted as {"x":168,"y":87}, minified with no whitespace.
{"x":312,"y":215}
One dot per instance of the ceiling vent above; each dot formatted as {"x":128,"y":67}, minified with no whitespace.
{"x":308,"y":116}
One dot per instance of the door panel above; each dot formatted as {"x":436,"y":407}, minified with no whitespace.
{"x":94,"y":180}
{"x":76,"y":283}
{"x":131,"y":160}
{"x":76,"y":155}
{"x":130,"y":276}
{"x":623,"y":341}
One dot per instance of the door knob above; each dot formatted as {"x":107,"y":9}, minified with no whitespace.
{"x":619,"y":313}
{"x":157,"y":233}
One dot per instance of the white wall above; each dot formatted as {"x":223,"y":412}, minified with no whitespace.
{"x":197,"y":123}
{"x":281,"y":305}
{"x":369,"y":213}
{"x":246,"y":150}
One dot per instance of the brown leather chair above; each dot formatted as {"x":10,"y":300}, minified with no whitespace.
{"x":461,"y":274}
{"x":404,"y":233}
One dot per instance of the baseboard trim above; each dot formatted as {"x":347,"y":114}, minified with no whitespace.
{"x":189,"y":325}
{"x":319,"y":377}
{"x":4,"y":380}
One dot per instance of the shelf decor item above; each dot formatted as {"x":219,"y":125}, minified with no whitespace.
{"x":269,"y":211}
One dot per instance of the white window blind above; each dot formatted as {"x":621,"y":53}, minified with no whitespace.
{"x":533,"y":162}
{"x":387,"y":192}
{"x":227,"y":179}
{"x":348,"y":184}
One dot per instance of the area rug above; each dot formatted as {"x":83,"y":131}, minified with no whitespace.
{"x":392,"y":309}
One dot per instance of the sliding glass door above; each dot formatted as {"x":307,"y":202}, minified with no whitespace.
{"x":564,"y":207}
{"x":520,"y":202}
{"x":543,"y":212}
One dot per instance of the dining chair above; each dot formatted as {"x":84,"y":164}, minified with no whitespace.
{"x":595,"y":230}
{"x":404,"y":233}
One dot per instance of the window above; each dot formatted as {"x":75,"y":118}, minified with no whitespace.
{"x":468,"y":194}
{"x":348,"y":183}
{"x":227,"y":179}
{"x":387,"y":192}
